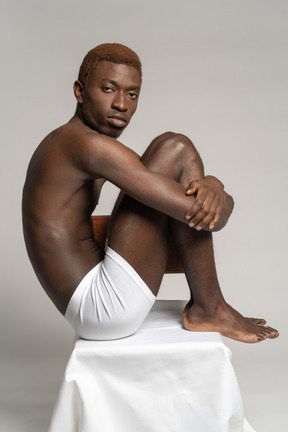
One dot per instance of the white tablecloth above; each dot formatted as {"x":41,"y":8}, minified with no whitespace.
{"x":162,"y":379}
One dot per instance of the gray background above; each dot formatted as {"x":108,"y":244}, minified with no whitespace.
{"x":215,"y":70}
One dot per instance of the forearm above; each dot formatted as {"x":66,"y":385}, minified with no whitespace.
{"x":162,"y":194}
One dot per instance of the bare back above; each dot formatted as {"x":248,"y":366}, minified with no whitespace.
{"x":58,"y":199}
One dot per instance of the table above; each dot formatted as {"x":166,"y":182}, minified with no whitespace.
{"x":162,"y":379}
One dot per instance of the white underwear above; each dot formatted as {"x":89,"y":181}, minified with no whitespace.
{"x":111,"y":301}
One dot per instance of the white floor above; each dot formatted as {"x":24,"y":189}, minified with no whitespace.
{"x":29,"y":387}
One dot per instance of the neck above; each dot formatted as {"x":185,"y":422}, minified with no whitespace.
{"x":80,"y":116}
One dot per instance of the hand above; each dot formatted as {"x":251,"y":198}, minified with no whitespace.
{"x":212,"y":207}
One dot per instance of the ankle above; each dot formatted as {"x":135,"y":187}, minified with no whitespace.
{"x":209,"y":306}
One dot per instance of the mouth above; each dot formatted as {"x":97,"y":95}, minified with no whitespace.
{"x":117,"y":121}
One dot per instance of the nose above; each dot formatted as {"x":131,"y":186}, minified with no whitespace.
{"x":119,"y":102}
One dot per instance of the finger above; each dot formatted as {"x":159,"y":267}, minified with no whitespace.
{"x":193,"y":187}
{"x":196,"y":207}
{"x":204,"y":200}
{"x":199,"y":219}
{"x":208,"y":213}
{"x":217,"y":214}
{"x":206,"y":221}
{"x":201,"y":208}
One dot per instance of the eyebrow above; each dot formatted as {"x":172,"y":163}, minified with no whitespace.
{"x":116,"y":84}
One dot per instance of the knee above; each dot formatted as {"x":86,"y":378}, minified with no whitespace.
{"x":177,"y":144}
{"x":172,"y":143}
{"x":175,"y":155}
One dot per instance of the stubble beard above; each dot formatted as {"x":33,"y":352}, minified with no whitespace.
{"x":83,"y":116}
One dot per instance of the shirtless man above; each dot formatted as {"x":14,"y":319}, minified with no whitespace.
{"x":107,"y":294}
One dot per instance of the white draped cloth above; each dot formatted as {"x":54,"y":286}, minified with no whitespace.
{"x":162,"y":379}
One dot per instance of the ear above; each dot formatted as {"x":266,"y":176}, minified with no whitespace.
{"x":78,"y":91}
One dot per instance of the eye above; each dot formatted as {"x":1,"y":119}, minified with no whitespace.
{"x":133,"y":95}
{"x":107,"y":89}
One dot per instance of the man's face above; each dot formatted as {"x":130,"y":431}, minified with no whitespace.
{"x":110,"y":98}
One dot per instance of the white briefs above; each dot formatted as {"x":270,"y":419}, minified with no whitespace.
{"x":111,"y":301}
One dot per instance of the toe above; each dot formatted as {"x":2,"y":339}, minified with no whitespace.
{"x":273,"y":333}
{"x":257,"y":321}
{"x":261,"y":336}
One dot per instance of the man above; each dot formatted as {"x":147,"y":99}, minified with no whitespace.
{"x":108,"y":294}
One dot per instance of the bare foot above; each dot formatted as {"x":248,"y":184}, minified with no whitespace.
{"x":259,"y":321}
{"x":228,"y":322}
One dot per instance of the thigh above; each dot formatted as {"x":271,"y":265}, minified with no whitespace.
{"x":140,"y":235}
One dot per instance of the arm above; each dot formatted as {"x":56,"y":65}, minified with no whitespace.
{"x":104,"y":157}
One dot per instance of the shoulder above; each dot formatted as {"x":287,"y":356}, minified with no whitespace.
{"x":93,"y":144}
{"x":90,"y":151}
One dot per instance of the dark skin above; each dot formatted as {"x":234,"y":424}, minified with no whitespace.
{"x":165,"y":192}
